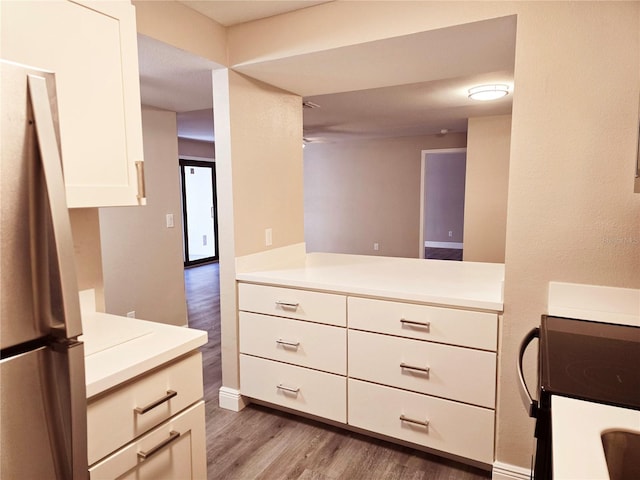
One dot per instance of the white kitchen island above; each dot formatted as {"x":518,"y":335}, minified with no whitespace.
{"x":403,"y":349}
{"x":145,"y":408}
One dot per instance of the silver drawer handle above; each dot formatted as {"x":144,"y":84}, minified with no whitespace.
{"x":287,"y":305}
{"x":285,"y":343}
{"x":411,"y":367}
{"x":142,"y":410}
{"x":413,"y":323}
{"x":173,"y":436}
{"x":288,"y":389}
{"x":424,"y":423}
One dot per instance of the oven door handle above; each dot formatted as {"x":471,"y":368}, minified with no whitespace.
{"x":529,"y":402}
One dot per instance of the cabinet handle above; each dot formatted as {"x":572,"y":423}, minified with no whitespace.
{"x":285,"y":343}
{"x":142,"y":193}
{"x":287,"y":305}
{"x":173,"y":436}
{"x":411,"y":367}
{"x":288,"y":389}
{"x":412,"y":323}
{"x":170,"y":394}
{"x":424,"y":423}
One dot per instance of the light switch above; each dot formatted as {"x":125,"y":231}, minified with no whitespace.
{"x":169,"y":220}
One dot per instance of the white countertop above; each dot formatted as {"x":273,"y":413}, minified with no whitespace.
{"x":442,"y":282}
{"x":577,"y":446}
{"x":120,"y":348}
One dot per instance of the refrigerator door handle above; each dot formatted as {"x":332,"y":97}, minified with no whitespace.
{"x":70,"y":325}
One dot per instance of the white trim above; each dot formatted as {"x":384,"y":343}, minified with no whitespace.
{"x":191,"y":157}
{"x":443,"y":245}
{"x":504,"y":471}
{"x":423,"y":165}
{"x":230,"y":399}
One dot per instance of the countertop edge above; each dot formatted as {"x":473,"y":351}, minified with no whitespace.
{"x":493,"y":306}
{"x":113,"y":366}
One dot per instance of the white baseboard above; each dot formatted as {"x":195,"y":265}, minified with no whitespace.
{"x":504,"y":471}
{"x":444,"y":245}
{"x":230,"y":399}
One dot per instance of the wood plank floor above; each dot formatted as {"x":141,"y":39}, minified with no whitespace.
{"x":262,"y":443}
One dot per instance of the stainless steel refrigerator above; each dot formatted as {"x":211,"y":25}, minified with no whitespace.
{"x":42,"y":383}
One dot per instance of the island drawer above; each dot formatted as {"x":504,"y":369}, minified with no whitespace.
{"x":175,"y":449}
{"x":292,"y":303}
{"x":456,"y":428}
{"x":457,"y":373}
{"x":126,"y":412}
{"x":322,"y":347}
{"x":298,"y":388}
{"x":444,"y":325}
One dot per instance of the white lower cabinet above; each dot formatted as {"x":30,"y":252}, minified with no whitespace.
{"x":453,"y":427}
{"x":310,"y":391}
{"x":174,"y":450}
{"x":151,"y":427}
{"x":447,"y":371}
{"x":412,"y":372}
{"x":312,"y":345}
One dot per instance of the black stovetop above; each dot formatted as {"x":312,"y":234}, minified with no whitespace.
{"x":590,"y":361}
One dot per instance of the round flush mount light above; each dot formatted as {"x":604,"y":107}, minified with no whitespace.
{"x":488,"y":92}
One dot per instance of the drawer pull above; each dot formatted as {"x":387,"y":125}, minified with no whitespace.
{"x":412,"y":323}
{"x":288,"y":389}
{"x":287,"y":305}
{"x":173,"y":436}
{"x":411,"y":367}
{"x":286,"y":344}
{"x":170,"y":394}
{"x":424,"y":423}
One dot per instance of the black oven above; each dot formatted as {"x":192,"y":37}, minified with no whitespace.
{"x":582,"y":359}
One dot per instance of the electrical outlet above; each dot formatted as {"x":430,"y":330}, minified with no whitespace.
{"x":450,"y":233}
{"x":376,"y":246}
{"x":170,"y":220}
{"x":268,"y":237}
{"x":131,"y":314}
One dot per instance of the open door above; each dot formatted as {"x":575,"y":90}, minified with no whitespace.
{"x":199,"y":212}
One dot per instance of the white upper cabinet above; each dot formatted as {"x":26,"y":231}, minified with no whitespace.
{"x":92,"y":48}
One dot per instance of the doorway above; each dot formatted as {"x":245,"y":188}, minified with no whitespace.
{"x":199,"y":211}
{"x":442,"y":203}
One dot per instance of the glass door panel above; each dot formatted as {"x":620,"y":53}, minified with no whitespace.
{"x":199,"y":211}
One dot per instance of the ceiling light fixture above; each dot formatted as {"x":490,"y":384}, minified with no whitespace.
{"x":488,"y":92}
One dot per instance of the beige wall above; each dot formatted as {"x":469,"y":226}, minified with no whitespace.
{"x":85,"y":228}
{"x":365,"y":191}
{"x":141,"y":257}
{"x":196,"y":148}
{"x":485,"y":215}
{"x":259,"y":184}
{"x":571,"y":213}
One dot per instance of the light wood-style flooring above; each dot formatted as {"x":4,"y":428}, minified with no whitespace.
{"x":262,"y":443}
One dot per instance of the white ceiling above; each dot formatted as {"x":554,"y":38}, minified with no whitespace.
{"x":411,"y":85}
{"x":232,"y":12}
